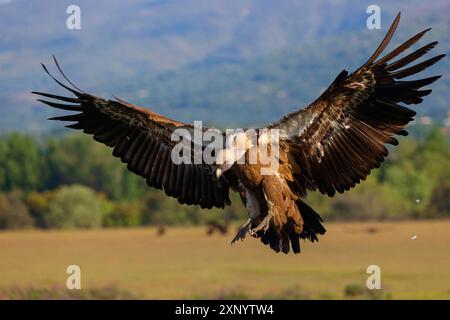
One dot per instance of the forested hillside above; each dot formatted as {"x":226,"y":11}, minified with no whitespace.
{"x":238,"y":62}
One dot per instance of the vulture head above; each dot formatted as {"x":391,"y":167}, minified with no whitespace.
{"x":237,"y":145}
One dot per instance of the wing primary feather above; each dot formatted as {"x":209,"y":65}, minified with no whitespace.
{"x":172,"y":179}
{"x":122,"y":147}
{"x":117,"y":134}
{"x":149,"y":165}
{"x":166,"y":175}
{"x":385,"y":41}
{"x":408,"y":43}
{"x":76,"y":126}
{"x":146,"y":156}
{"x":186,"y":182}
{"x":78,"y":94}
{"x":206,"y":185}
{"x":73,"y":117}
{"x":134,"y":163}
{"x":411,"y":57}
{"x":400,"y":74}
{"x":130,"y":153}
{"x":64,"y":76}
{"x":162,"y":166}
{"x":181,"y":168}
{"x":155,"y":166}
{"x":61,"y":106}
{"x":53,"y":96}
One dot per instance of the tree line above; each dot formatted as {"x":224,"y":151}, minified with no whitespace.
{"x":72,"y":182}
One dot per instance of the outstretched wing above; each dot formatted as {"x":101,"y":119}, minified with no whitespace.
{"x":142,"y":139}
{"x":336,"y":141}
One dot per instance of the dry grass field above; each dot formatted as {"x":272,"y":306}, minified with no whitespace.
{"x":186,"y":263}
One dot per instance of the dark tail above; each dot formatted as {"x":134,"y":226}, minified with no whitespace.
{"x":312,"y":227}
{"x":312,"y":222}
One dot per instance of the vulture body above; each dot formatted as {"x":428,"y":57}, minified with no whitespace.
{"x":329,"y":146}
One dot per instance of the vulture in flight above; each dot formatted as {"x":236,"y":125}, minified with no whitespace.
{"x":329,"y":146}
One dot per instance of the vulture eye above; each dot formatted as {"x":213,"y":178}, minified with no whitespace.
{"x":233,"y":141}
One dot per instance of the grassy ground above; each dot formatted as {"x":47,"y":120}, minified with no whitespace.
{"x":186,"y":263}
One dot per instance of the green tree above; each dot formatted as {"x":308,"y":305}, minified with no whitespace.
{"x":13,"y":212}
{"x":20,"y":163}
{"x":74,"y":206}
{"x":124,"y":214}
{"x":38,"y":204}
{"x":78,"y":159}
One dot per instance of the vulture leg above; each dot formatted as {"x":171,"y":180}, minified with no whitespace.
{"x":278,"y":198}
{"x":265,"y":223}
{"x":242,"y":232}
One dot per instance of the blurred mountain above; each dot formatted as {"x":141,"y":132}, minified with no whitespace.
{"x":234,"y":62}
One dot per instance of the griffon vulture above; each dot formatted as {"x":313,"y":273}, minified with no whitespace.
{"x":331,"y":145}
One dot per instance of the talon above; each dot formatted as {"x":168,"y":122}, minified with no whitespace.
{"x":264,"y":225}
{"x":242,"y":232}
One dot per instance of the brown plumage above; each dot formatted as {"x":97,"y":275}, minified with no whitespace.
{"x":329,"y":146}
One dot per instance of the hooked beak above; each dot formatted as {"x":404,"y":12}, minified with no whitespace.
{"x":218,"y":173}
{"x":224,"y":167}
